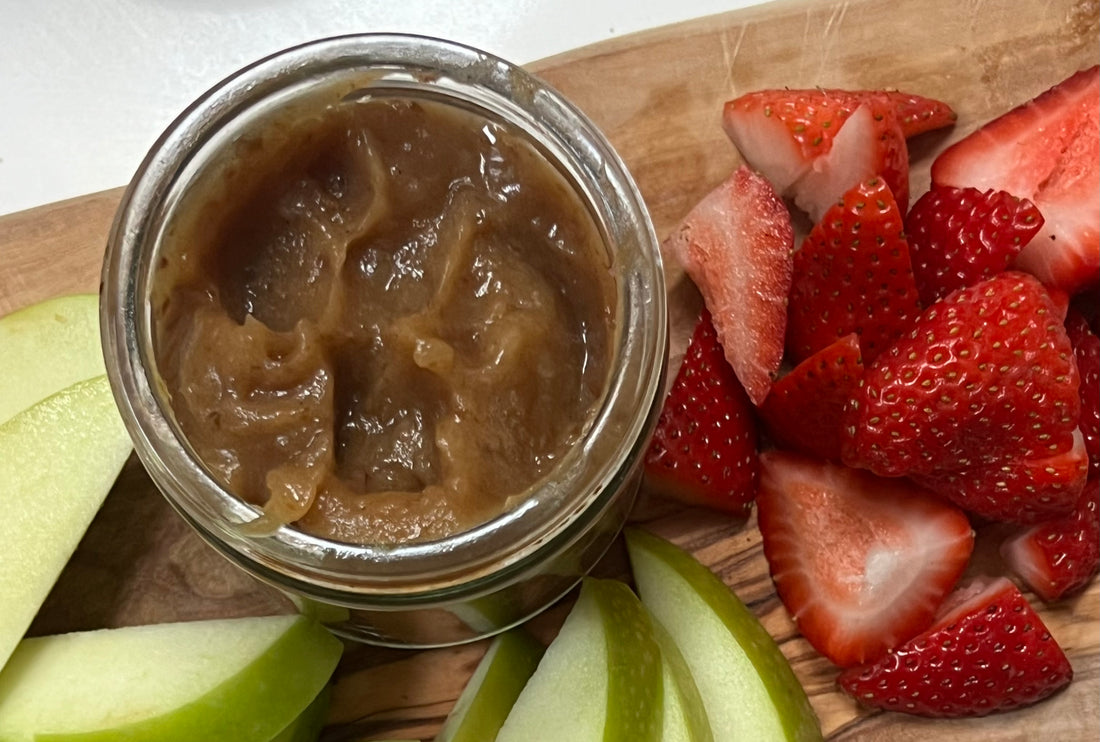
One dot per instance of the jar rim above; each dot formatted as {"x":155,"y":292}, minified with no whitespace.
{"x":469,"y":560}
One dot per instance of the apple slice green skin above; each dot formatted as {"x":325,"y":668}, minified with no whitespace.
{"x":307,"y":727}
{"x":46,"y":347}
{"x":58,"y":460}
{"x":496,"y":683}
{"x":242,"y":679}
{"x":599,"y":680}
{"x":748,"y":687}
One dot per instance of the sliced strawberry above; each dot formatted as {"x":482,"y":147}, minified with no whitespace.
{"x":703,"y":451}
{"x":736,"y":245}
{"x":985,"y":377}
{"x":988,"y":651}
{"x":852,"y":274}
{"x":860,"y":562}
{"x":1061,"y":301}
{"x":915,"y":113}
{"x":1058,"y":558}
{"x":959,"y":236}
{"x":813,"y":145}
{"x":782,"y":132}
{"x":1086,"y":348}
{"x":1046,"y":150}
{"x":803,"y":410}
{"x":1017,"y":490}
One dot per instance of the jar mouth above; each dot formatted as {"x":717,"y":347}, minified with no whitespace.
{"x":559,"y":509}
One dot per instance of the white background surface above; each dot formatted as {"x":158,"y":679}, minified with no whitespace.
{"x":86,"y":86}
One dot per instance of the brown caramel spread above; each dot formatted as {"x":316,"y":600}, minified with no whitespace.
{"x":384,"y":320}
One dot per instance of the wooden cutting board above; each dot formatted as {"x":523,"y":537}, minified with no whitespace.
{"x":658,"y":96}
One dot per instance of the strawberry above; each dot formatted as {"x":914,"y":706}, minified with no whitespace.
{"x":803,"y":410}
{"x":813,"y":145}
{"x":1046,"y":150}
{"x":915,"y":113}
{"x":986,"y":376}
{"x":1061,"y":301}
{"x":987,"y":651}
{"x":1059,"y":557}
{"x":703,"y":451}
{"x":852,"y":274}
{"x":860,"y":562}
{"x":959,"y":236}
{"x":1017,"y":490}
{"x":736,"y":245}
{"x":1086,"y":348}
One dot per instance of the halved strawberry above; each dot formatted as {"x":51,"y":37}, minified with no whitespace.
{"x":813,"y":145}
{"x":736,"y":245}
{"x":1060,"y":557}
{"x":803,"y":410}
{"x":959,"y":236}
{"x":986,"y":376}
{"x":860,"y":562}
{"x":1046,"y":150}
{"x":1086,"y":348}
{"x":703,"y":451}
{"x":1016,"y":490}
{"x":988,"y":651}
{"x":852,"y":274}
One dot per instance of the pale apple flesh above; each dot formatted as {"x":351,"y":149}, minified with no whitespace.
{"x":243,"y":679}
{"x":58,"y":460}
{"x":600,"y":679}
{"x":491,"y":691}
{"x":685,"y":718}
{"x":748,"y":688}
{"x":46,"y":347}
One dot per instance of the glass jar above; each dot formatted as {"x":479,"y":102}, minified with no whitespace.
{"x":492,"y":576}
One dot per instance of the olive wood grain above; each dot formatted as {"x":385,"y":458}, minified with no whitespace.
{"x":658,"y":96}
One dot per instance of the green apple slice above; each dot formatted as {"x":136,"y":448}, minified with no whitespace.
{"x":493,"y":688}
{"x":46,"y":347}
{"x":307,"y":727}
{"x":747,"y":686}
{"x":243,"y":679}
{"x":599,"y":680}
{"x":685,"y":717}
{"x":58,"y":460}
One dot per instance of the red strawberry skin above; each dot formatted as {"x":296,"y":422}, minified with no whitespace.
{"x":987,"y":652}
{"x":1023,"y":491}
{"x":916,"y":114}
{"x":960,"y":236}
{"x":860,"y":562}
{"x":1059,"y":557}
{"x":803,"y":411}
{"x":985,"y":376}
{"x":1086,"y":349}
{"x":853,"y":274}
{"x":736,"y":245}
{"x":1046,"y":150}
{"x":703,"y":451}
